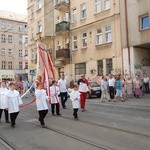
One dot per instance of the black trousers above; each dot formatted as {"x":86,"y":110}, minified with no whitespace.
{"x":75,"y":114}
{"x":13,"y":117}
{"x":146,"y":85}
{"x":111,"y":92}
{"x":42,"y":114}
{"x":53,"y":108}
{"x":6,"y":114}
{"x":63,"y":96}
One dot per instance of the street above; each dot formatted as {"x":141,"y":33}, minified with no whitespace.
{"x":104,"y":126}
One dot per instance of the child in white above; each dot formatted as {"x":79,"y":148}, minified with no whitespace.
{"x":54,"y":92}
{"x":13,"y":102}
{"x":41,"y":103}
{"x":75,"y":98}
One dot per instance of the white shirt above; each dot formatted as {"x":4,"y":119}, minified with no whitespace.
{"x":13,"y":101}
{"x":104,"y":85}
{"x":146,"y":79}
{"x":75,"y":98}
{"x":41,"y":99}
{"x":62,"y":85}
{"x":83,"y":87}
{"x":111,"y":82}
{"x":54,"y":98}
{"x":3,"y":92}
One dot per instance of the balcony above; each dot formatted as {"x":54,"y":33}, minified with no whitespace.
{"x":62,"y":27}
{"x":63,"y":55}
{"x":62,"y":5}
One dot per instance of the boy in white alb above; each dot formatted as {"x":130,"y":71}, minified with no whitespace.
{"x":3,"y":92}
{"x":41,"y":103}
{"x":75,"y":98}
{"x":13,"y":101}
{"x":54,"y":92}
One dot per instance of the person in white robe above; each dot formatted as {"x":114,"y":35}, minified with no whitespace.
{"x":13,"y":101}
{"x":54,"y":92}
{"x":41,"y":103}
{"x":75,"y":99}
{"x":3,"y":92}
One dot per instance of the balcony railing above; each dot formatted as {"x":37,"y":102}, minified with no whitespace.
{"x":63,"y":54}
{"x":62,"y":5}
{"x":63,"y":26}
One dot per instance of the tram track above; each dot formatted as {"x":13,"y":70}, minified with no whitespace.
{"x":7,"y":144}
{"x":77,"y":138}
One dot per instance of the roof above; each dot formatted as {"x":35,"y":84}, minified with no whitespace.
{"x":12,"y":16}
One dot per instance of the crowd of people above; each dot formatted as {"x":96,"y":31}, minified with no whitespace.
{"x":113,"y":88}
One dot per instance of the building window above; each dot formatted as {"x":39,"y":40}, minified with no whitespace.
{"x":99,"y":36}
{"x":74,"y":42}
{"x":3,"y":25}
{"x":3,"y":64}
{"x":39,"y":26}
{"x":58,"y":45}
{"x":26,"y":52}
{"x":97,"y":6}
{"x":20,"y":53}
{"x":10,"y":53}
{"x":39,"y":4}
{"x":10,"y":65}
{"x":80,"y":68}
{"x":66,"y":16}
{"x":84,"y":40}
{"x":58,"y":19}
{"x":109,"y":66}
{"x":26,"y":65}
{"x":3,"y":39}
{"x":9,"y":38}
{"x":74,"y":15}
{"x":106,"y":4}
{"x":108,"y":34}
{"x":32,"y":14}
{"x":145,"y":22}
{"x":9,"y":26}
{"x":67,"y":43}
{"x":20,"y":65}
{"x":20,"y":39}
{"x":3,"y":52}
{"x":26,"y":40}
{"x":21,"y":28}
{"x":100,"y":67}
{"x":83,"y":11}
{"x":32,"y":33}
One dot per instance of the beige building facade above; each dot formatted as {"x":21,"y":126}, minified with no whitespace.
{"x":90,"y":31}
{"x":13,"y":45}
{"x":135,"y":31}
{"x":40,"y":28}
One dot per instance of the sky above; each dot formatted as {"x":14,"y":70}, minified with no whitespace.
{"x":18,"y":6}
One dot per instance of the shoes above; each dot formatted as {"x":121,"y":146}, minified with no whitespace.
{"x":8,"y":122}
{"x":53,"y":114}
{"x":83,"y":110}
{"x":43,"y":126}
{"x":13,"y":126}
{"x":58,"y":114}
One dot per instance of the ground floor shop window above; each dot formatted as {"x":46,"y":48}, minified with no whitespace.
{"x":109,"y":66}
{"x":100,"y":67}
{"x":80,"y":68}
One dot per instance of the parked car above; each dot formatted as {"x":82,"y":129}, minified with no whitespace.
{"x":95,"y":89}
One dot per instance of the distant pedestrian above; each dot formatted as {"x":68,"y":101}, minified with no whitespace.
{"x":137,"y":87}
{"x":3,"y":103}
{"x":118,"y":95}
{"x":13,"y":102}
{"x":104,"y":89}
{"x":83,"y":89}
{"x":54,"y":92}
{"x":62,"y":84}
{"x":146,"y":83}
{"x":129,"y":87}
{"x":41,"y":103}
{"x":111,"y":84}
{"x":75,"y":98}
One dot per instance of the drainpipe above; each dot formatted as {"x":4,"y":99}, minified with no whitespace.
{"x":127,"y":34}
